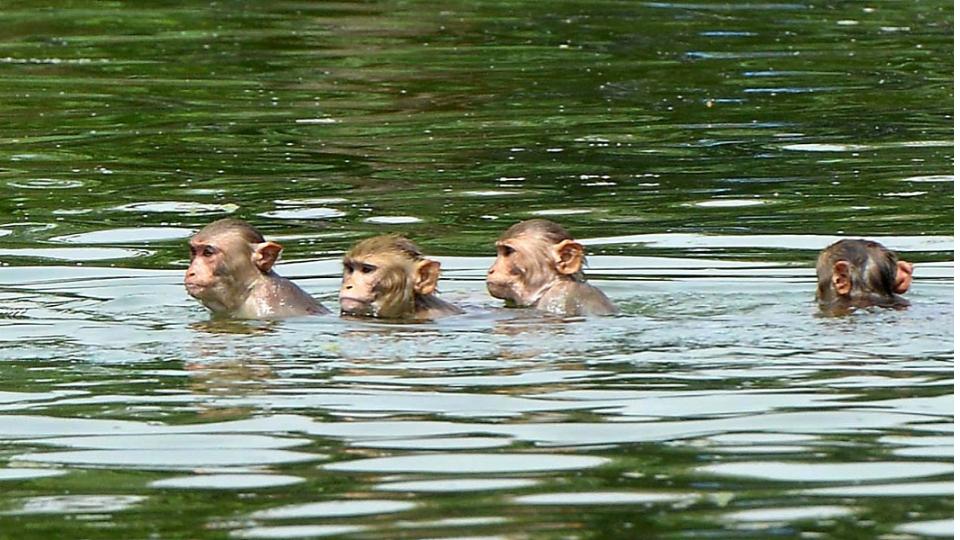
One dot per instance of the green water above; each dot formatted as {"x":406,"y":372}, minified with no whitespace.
{"x":703,"y":152}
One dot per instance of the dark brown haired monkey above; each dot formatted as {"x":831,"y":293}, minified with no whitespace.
{"x":540,"y":265}
{"x":388,"y":277}
{"x":231,"y":273}
{"x":861,"y":273}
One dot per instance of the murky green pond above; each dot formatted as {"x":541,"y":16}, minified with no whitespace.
{"x":704,"y":152}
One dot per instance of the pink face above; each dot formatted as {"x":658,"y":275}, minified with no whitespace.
{"x":515,"y":275}
{"x":201,"y":274}
{"x":217,"y":265}
{"x":358,"y":290}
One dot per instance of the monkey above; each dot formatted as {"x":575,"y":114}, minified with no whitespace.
{"x":388,"y":277}
{"x":861,"y":273}
{"x":540,"y":265}
{"x":231,"y":274}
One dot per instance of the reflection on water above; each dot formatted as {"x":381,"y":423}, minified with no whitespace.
{"x":741,"y":408}
{"x":704,"y":152}
{"x":77,"y":504}
{"x":228,"y":481}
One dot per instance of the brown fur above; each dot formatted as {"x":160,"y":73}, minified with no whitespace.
{"x":388,"y":277}
{"x":386,"y":243}
{"x":540,"y":265}
{"x":231,"y":273}
{"x":873,"y":274}
{"x":551,"y":232}
{"x":231,"y":226}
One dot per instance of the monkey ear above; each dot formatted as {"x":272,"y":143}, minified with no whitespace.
{"x":841,"y":278}
{"x":265,"y":255}
{"x":904,"y":277}
{"x":568,"y":257}
{"x":426,"y":275}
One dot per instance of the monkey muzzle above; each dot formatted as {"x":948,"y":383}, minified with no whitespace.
{"x":194,"y":289}
{"x":504,"y":291}
{"x":354,"y":306}
{"x":499,"y":290}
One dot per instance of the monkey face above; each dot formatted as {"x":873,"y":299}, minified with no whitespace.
{"x":220,"y":267}
{"x":357,"y":288}
{"x":386,"y":284}
{"x":529,"y":263}
{"x":206,"y":262}
{"x":360,"y":288}
{"x":514,"y":276}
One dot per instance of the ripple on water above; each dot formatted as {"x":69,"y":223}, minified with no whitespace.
{"x":811,"y":242}
{"x":467,"y":463}
{"x":77,"y":504}
{"x":937,"y":527}
{"x":310,"y":202}
{"x":446,"y":443}
{"x":841,"y":147}
{"x":392,"y":220}
{"x":296,"y":531}
{"x":457,"y":485}
{"x":779,"y":515}
{"x":364,"y":507}
{"x":730,"y":203}
{"x":603,"y":497}
{"x":760,"y":438}
{"x":930,"y":178}
{"x":14,"y":473}
{"x":173,"y":441}
{"x":944,"y":451}
{"x":903,"y":194}
{"x":828,"y":472}
{"x":178,"y":207}
{"x":760,"y":449}
{"x":46,"y":183}
{"x":126,"y":235}
{"x":304,"y":213}
{"x":490,"y":193}
{"x":324,"y":120}
{"x":75,"y":254}
{"x":170,"y":458}
{"x":562,"y":212}
{"x":916,"y":489}
{"x":824,"y":147}
{"x":227,"y":481}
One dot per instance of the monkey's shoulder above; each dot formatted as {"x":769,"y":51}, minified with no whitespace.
{"x":280,"y":297}
{"x":589,"y":300}
{"x":431,"y":307}
{"x":575,"y":299}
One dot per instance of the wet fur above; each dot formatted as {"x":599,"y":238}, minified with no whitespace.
{"x":873,"y":274}
{"x":530,"y":277}
{"x":395,"y":295}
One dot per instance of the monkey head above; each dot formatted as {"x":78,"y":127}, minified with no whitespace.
{"x":227,"y":257}
{"x":860,"y":273}
{"x":386,"y":276}
{"x":532,"y":256}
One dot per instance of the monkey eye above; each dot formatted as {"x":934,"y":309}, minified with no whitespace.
{"x":506,"y":251}
{"x":209,"y":251}
{"x":367,"y":268}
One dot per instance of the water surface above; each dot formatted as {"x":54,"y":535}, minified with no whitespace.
{"x":703,"y":153}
